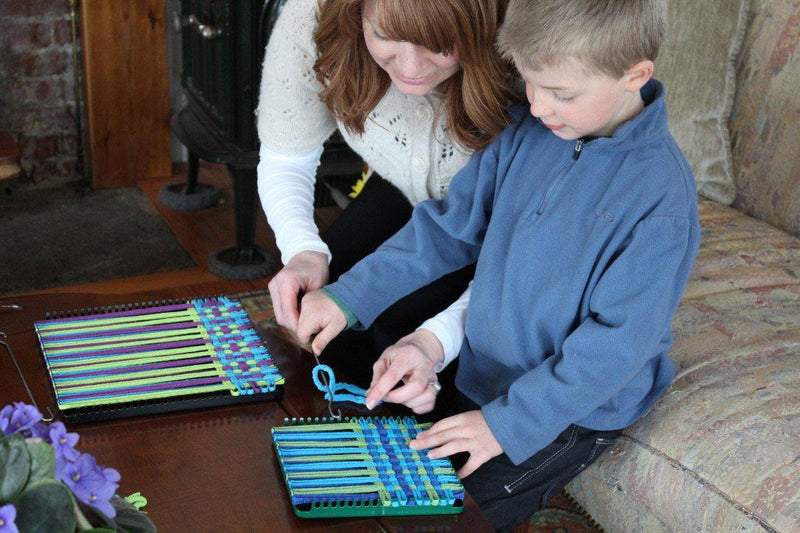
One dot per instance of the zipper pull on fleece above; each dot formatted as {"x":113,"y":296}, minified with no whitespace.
{"x":577,"y":152}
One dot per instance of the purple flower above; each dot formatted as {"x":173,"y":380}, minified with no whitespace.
{"x":90,"y":483}
{"x":5,"y":418}
{"x":40,"y":430}
{"x":63,"y":442}
{"x":18,"y":418}
{"x":100,"y":498}
{"x":79,"y":474}
{"x":111,"y":475}
{"x":8,"y":513}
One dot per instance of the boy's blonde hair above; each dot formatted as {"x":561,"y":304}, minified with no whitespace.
{"x":607,"y":36}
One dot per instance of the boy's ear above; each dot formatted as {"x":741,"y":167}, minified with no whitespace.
{"x":638,"y":75}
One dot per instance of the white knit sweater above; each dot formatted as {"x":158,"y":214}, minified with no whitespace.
{"x":405,"y":141}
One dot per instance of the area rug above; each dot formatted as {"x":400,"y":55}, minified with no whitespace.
{"x":562,"y":515}
{"x":64,"y":236}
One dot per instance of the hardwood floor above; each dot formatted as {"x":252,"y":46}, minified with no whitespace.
{"x":201,"y":233}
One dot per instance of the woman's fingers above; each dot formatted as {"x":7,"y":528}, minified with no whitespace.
{"x":305,"y":272}
{"x":289,"y":307}
{"x":406,"y":361}
{"x":387,"y":373}
{"x":284,"y":290}
{"x":275,"y":296}
{"x":424,"y":403}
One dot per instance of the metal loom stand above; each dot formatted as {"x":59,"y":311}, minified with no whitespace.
{"x":22,"y":377}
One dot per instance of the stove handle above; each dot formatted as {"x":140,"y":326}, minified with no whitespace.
{"x":204,"y":30}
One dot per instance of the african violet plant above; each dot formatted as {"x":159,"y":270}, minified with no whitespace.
{"x":46,"y":485}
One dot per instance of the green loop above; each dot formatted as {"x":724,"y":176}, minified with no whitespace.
{"x":137,"y":500}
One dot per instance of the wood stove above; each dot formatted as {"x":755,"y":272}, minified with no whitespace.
{"x":222,"y":45}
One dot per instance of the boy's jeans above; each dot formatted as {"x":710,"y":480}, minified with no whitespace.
{"x":510,"y":494}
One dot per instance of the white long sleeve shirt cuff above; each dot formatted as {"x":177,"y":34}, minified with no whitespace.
{"x":448,"y":326}
{"x":286,"y":189}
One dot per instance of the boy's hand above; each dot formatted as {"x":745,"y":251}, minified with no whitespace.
{"x":411,"y":360}
{"x":465,"y":432}
{"x":321,"y":316}
{"x":305,"y":272}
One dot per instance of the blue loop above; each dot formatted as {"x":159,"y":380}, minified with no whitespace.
{"x":331,"y":379}
{"x":342,"y":392}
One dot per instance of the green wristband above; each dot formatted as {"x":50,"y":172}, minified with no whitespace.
{"x":352,"y":319}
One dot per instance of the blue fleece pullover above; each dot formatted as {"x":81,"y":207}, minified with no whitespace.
{"x":582,"y":257}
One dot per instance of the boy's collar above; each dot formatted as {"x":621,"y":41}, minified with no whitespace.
{"x":650,"y":91}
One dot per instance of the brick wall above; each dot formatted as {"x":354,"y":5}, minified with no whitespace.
{"x":37,"y":99}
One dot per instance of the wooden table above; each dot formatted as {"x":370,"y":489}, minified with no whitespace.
{"x":205,"y":470}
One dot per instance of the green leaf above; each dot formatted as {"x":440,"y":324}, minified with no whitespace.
{"x":98,"y":530}
{"x":95,"y":516}
{"x":43,"y":461}
{"x":130,"y":519}
{"x":15,"y":467}
{"x":46,"y":506}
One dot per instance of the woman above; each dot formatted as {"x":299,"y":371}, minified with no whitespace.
{"x":414,"y":88}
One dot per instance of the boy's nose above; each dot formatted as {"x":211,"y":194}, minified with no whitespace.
{"x":538,"y":109}
{"x":538,"y":106}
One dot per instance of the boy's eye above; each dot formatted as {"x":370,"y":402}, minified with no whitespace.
{"x":564,"y":98}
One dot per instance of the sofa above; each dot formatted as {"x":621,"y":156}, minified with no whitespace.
{"x":720,"y":450}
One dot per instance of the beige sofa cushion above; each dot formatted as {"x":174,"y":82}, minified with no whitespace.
{"x":696,"y":64}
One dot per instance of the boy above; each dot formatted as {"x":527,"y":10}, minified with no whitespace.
{"x":582,"y":217}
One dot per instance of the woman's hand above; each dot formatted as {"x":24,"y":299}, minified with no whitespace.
{"x":411,"y":360}
{"x":305,"y":272}
{"x":465,"y":432}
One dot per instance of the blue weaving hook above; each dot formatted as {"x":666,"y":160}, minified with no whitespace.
{"x":337,"y":392}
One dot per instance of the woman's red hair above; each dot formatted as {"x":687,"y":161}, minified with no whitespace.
{"x":477,"y":96}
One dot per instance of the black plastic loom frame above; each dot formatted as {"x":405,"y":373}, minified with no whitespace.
{"x":85,"y":415}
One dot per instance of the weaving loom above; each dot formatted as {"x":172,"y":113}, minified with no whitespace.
{"x":153,"y":358}
{"x":363,"y":467}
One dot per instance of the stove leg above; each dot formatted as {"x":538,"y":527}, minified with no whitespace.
{"x":191,"y":172}
{"x":245,"y":260}
{"x":192,"y":195}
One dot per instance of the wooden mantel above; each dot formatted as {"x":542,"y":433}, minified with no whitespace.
{"x":127,"y":92}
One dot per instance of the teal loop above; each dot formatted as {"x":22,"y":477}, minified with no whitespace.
{"x":342,"y":392}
